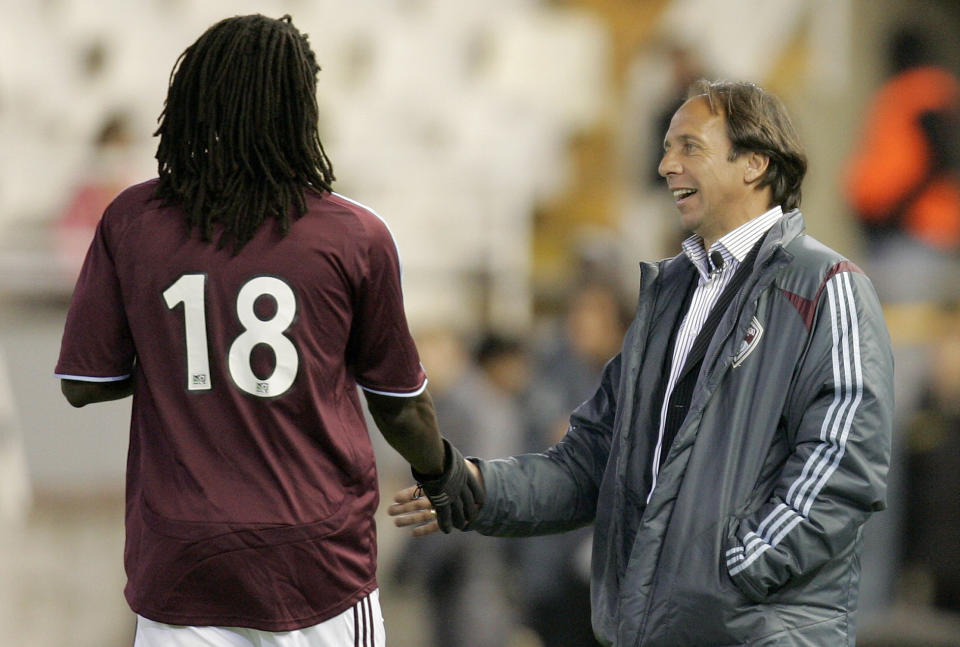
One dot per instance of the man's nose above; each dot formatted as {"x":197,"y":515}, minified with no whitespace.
{"x":668,"y":165}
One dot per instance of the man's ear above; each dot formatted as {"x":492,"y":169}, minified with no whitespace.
{"x":757,"y":164}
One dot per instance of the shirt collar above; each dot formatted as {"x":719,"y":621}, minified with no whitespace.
{"x":732,"y":246}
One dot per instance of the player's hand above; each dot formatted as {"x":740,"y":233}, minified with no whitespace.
{"x":456,"y":494}
{"x":412,"y":509}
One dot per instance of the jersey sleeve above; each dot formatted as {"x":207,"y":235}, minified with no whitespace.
{"x":97,"y":345}
{"x":381,"y":353}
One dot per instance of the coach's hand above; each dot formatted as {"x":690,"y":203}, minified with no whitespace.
{"x":454,"y":496}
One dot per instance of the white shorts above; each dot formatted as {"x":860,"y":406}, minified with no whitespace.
{"x":358,"y":626}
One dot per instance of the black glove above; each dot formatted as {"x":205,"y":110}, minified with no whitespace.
{"x":456,"y":494}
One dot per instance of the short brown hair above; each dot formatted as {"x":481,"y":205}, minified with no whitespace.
{"x":758,"y":122}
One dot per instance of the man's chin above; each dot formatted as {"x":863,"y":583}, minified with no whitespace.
{"x":689,"y":220}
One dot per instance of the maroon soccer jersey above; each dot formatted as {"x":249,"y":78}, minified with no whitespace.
{"x":251,"y":483}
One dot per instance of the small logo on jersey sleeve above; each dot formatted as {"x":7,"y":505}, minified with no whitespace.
{"x":750,"y":341}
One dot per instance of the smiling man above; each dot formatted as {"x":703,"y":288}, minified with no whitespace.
{"x":715,"y":185}
{"x":740,"y":439}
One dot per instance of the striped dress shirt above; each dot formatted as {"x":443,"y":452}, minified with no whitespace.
{"x":732,"y":247}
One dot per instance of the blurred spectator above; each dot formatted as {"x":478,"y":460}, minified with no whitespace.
{"x":464,"y":575}
{"x":932,"y":515}
{"x":685,"y":68}
{"x":572,"y":355}
{"x":903,"y":180}
{"x":554,"y":570}
{"x":903,"y":183}
{"x":105,"y":174}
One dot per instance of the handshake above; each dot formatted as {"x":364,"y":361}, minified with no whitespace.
{"x":452,"y":499}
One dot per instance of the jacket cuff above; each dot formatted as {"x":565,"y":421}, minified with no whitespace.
{"x":741,"y":579}
{"x":484,"y":522}
{"x":746,"y":586}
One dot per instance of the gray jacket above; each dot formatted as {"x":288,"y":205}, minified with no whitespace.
{"x":753,"y":533}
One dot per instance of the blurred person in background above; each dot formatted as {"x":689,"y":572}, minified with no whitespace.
{"x":685,"y":68}
{"x":902,"y":183}
{"x":656,"y":87}
{"x":741,"y":438}
{"x":105,"y":174}
{"x":553,"y":571}
{"x":572,"y":354}
{"x":932,"y":515}
{"x":467,"y":578}
{"x":903,"y":178}
{"x":241,"y":302}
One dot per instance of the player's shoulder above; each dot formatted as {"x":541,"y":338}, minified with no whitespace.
{"x":128,"y":205}
{"x":131,"y":202}
{"x":136,"y":195}
{"x":340,"y":202}
{"x":356,"y":216}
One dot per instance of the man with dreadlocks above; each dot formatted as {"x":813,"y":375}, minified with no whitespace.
{"x":241,"y":301}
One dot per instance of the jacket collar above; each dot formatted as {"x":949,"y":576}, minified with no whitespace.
{"x":782,"y":233}
{"x":678,"y":267}
{"x":733,"y":246}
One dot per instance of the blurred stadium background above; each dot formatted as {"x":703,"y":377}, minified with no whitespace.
{"x":509,"y":144}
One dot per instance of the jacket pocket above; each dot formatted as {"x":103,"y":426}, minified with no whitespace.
{"x":700,"y":604}
{"x":735,"y":562}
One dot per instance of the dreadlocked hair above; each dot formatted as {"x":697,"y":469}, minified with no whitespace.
{"x":238,"y":131}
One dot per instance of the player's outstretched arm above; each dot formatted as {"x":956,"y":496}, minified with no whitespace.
{"x":80,"y":393}
{"x":409,"y":424}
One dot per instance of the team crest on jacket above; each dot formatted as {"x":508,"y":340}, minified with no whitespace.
{"x":750,"y":341}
